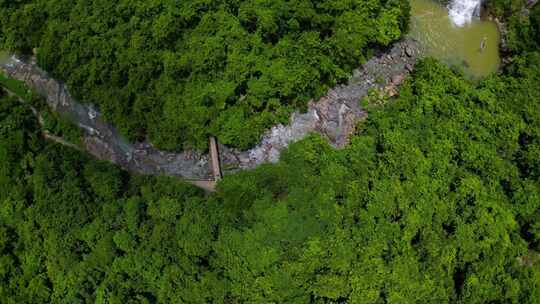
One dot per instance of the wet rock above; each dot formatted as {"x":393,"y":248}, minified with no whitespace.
{"x":408,"y":67}
{"x":409,"y":51}
{"x":397,"y":79}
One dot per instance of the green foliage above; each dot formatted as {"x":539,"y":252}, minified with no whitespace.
{"x":52,"y":122}
{"x":436,"y":202}
{"x":505,"y":8}
{"x":61,"y":126}
{"x":524,"y":31}
{"x":182,"y":70}
{"x":521,"y":23}
{"x":16,"y":87}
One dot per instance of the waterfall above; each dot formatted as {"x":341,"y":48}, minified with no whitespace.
{"x":462,"y":11}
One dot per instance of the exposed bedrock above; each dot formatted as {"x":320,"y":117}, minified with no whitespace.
{"x":334,"y":116}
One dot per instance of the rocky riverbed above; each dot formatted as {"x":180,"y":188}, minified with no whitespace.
{"x":335,"y":116}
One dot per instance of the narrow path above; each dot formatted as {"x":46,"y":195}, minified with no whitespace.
{"x":46,"y":134}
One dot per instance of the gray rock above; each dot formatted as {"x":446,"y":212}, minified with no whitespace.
{"x":409,"y":51}
{"x":397,"y":79}
{"x":408,"y":67}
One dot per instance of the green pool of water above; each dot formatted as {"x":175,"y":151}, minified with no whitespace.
{"x":3,"y":56}
{"x":474,"y":47}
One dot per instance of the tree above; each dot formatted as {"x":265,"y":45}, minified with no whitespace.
{"x":179,"y":72}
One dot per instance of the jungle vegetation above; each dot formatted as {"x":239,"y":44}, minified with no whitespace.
{"x":179,"y":71}
{"x":435,"y":200}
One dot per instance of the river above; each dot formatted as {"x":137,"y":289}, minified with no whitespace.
{"x":455,"y":36}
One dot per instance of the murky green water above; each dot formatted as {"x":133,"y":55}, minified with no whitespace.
{"x":474,"y":47}
{"x":3,"y":56}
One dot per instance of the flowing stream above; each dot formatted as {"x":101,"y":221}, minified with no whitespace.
{"x":456,"y":35}
{"x":461,"y":12}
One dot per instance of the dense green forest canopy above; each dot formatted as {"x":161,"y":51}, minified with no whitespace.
{"x":178,"y":71}
{"x":436,"y":202}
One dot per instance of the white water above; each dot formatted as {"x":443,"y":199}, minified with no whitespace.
{"x":462,"y":11}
